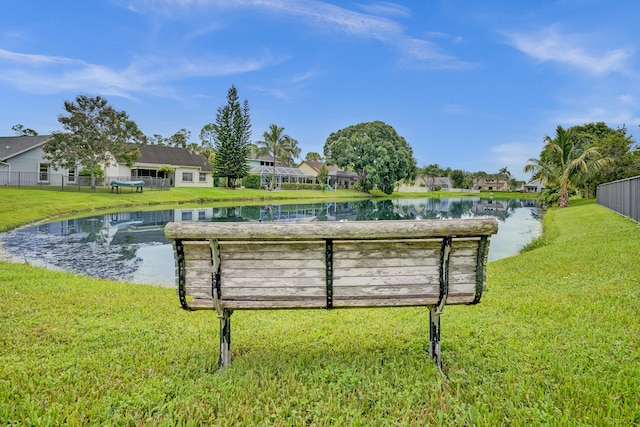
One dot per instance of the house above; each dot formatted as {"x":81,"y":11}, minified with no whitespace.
{"x":432,"y":182}
{"x":22,"y":163}
{"x":491,"y":183}
{"x":263,"y":166}
{"x":338,"y":178}
{"x":535,"y":186}
{"x":189,"y":170}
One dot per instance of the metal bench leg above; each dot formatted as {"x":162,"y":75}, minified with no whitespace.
{"x":434,"y":336}
{"x":225,"y":339}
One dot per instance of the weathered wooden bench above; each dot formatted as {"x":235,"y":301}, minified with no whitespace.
{"x":115,"y":185}
{"x":236,"y":266}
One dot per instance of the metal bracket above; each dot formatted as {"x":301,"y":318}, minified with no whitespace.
{"x":482,"y":254}
{"x":445,"y":252}
{"x":215,"y":277}
{"x":182,"y":293}
{"x":329,"y":271}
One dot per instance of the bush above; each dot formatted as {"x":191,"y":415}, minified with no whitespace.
{"x":86,"y":171}
{"x":252,"y":181}
{"x":297,"y":186}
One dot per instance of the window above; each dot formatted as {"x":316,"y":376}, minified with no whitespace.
{"x":187,"y":176}
{"x":202,"y":215}
{"x":203,"y":177}
{"x":71,"y":176}
{"x":43,"y":175}
{"x":187,"y":215}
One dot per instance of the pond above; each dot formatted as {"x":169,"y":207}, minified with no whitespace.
{"x":131,"y":245}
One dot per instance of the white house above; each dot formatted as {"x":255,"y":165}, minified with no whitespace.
{"x":535,"y":186}
{"x":22,"y":163}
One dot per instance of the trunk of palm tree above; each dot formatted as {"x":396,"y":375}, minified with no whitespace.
{"x":273,"y":177}
{"x":563,"y":199}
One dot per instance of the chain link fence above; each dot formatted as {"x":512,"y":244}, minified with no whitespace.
{"x":60,"y":182}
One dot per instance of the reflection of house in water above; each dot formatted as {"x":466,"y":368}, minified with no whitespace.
{"x":497,"y":208}
{"x":423,"y":208}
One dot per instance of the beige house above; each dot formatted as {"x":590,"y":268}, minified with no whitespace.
{"x":338,"y":178}
{"x":189,"y":170}
{"x":491,"y":183}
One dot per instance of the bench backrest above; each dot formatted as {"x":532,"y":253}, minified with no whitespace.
{"x":228,"y":266}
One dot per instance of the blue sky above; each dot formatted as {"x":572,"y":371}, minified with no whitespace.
{"x":472,"y":85}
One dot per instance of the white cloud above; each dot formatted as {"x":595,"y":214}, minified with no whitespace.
{"x":551,"y":45}
{"x":375,"y":23}
{"x":38,"y":73}
{"x":386,"y":9}
{"x":455,"y":109}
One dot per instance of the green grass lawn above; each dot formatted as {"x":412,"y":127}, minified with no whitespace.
{"x":555,"y":341}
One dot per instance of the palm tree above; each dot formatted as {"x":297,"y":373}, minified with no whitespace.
{"x":504,"y":172}
{"x":278,"y":145}
{"x":565,"y":162}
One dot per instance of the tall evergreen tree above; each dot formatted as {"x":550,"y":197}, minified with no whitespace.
{"x":231,"y":138}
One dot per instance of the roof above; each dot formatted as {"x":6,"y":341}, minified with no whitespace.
{"x":11,"y":146}
{"x":280,"y":171}
{"x":534,"y":183}
{"x":332,"y":169}
{"x":173,"y":156}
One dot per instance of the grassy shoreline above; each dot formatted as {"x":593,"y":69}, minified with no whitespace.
{"x":19,"y":207}
{"x":555,"y":341}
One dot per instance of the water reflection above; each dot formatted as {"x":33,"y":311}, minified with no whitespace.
{"x":131,"y":245}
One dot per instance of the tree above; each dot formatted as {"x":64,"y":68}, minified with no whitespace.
{"x":179,"y":139}
{"x":312,"y":156}
{"x":430,"y":173}
{"x":22,"y":131}
{"x":94,"y":135}
{"x":564,"y":162}
{"x":457,"y":177}
{"x":614,"y":144}
{"x":231,"y":138}
{"x":373,"y":150}
{"x":278,"y":145}
{"x":323,"y":174}
{"x":292,"y":152}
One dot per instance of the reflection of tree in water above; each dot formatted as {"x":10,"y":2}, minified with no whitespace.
{"x":376,"y":210}
{"x":322,"y":211}
{"x":458,"y":209}
{"x":93,"y":229}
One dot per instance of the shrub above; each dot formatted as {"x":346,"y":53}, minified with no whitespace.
{"x":252,"y":181}
{"x":299,"y":186}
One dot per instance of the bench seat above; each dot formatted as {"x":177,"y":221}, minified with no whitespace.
{"x":236,"y":266}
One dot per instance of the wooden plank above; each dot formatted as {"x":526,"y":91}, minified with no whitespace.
{"x":388,"y":302}
{"x":273,"y":282}
{"x":385,"y":291}
{"x":377,"y":252}
{"x":197,"y":250}
{"x":408,"y":229}
{"x":258,"y":293}
{"x":257,"y":305}
{"x":342,"y":263}
{"x":235,"y":264}
{"x":416,"y":271}
{"x":199,"y":293}
{"x":201,"y":304}
{"x":258,"y":273}
{"x":384,"y":280}
{"x":462,"y":288}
